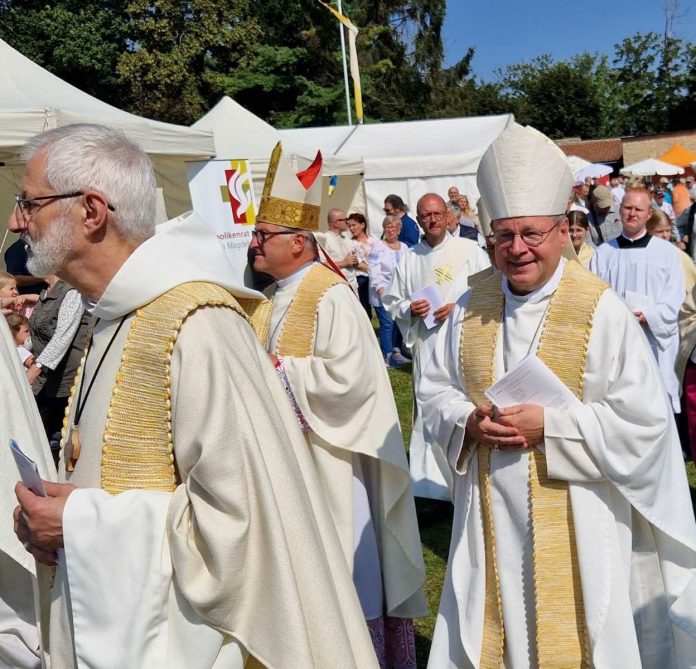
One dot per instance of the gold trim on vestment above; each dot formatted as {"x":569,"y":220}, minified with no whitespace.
{"x":561,"y":634}
{"x":137,"y":450}
{"x":259,"y":313}
{"x":279,"y":211}
{"x":299,"y":327}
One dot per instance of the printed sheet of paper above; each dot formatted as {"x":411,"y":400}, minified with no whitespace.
{"x":27,"y":470}
{"x":636,"y":301}
{"x":432,"y":294}
{"x":531,"y":382}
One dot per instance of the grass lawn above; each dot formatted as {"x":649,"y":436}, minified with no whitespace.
{"x":435,"y":521}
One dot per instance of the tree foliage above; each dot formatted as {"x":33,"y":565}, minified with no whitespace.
{"x":173,"y":59}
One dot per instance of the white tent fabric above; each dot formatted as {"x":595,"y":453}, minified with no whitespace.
{"x":33,"y":100}
{"x":577,"y":163}
{"x":593,"y":170}
{"x":651,"y":167}
{"x":408,"y":158}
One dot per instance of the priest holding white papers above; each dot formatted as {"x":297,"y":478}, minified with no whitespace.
{"x":574,"y":542}
{"x":647,"y":272}
{"x":425,"y":285}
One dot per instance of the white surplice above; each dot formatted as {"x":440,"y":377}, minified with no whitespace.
{"x":19,"y":639}
{"x":343,"y":393}
{"x":242,"y":560}
{"x":447,"y":266}
{"x":632,"y":514}
{"x":655,"y":271}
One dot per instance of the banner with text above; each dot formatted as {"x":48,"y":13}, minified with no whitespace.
{"x":222,"y":194}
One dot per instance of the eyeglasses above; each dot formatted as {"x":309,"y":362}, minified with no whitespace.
{"x":530,"y":238}
{"x":433,"y":215}
{"x":27,"y":204}
{"x":261,"y":236}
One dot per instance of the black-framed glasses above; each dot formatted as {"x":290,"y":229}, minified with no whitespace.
{"x":261,"y":236}
{"x":26,"y":204}
{"x":433,"y":215}
{"x":530,"y":238}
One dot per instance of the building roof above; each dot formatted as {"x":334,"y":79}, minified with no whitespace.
{"x":594,"y":150}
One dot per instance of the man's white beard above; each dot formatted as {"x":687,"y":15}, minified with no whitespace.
{"x":47,"y":255}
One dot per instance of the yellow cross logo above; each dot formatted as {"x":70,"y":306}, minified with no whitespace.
{"x":444,"y":274}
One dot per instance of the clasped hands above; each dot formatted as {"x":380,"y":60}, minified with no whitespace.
{"x":517,"y":427}
{"x":421,"y":308}
{"x":38,"y":521}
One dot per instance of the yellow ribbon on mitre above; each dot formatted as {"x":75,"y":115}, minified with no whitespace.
{"x":290,"y":199}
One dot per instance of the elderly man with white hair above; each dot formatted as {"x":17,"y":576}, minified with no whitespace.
{"x":574,"y":542}
{"x":189,"y":529}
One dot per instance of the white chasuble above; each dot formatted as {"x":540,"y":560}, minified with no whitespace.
{"x":447,"y":266}
{"x":238,"y":566}
{"x":342,"y":390}
{"x":633,"y":521}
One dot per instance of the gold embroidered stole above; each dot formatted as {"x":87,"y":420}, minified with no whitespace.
{"x":300,"y":324}
{"x":561,"y":636}
{"x":137,"y":450}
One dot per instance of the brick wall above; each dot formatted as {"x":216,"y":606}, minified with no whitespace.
{"x":656,"y":145}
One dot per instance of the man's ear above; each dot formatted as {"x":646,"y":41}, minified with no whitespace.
{"x":95,"y":214}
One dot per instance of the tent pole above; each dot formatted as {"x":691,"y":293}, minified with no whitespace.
{"x":345,"y":65}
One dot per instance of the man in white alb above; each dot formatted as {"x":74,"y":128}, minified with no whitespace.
{"x":443,"y":264}
{"x":647,"y":272}
{"x":574,"y":542}
{"x":339,"y":247}
{"x":190,"y":530}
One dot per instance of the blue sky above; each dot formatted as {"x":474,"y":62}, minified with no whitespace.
{"x":505,"y":32}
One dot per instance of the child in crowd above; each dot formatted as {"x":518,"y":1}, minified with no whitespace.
{"x":10,"y":299}
{"x":19,"y":327}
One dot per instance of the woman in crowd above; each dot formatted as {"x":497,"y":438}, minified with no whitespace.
{"x":385,"y":255}
{"x":469,"y":216}
{"x":578,"y":227}
{"x":660,"y":225}
{"x":362,"y":245}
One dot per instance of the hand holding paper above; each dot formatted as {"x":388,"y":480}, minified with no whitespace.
{"x":432,"y":295}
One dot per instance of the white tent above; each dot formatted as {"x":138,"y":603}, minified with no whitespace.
{"x":651,"y":167}
{"x":408,"y":158}
{"x":33,"y":100}
{"x":240,"y":134}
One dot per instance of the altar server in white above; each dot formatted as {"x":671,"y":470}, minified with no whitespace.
{"x":190,"y":530}
{"x":647,"y":272}
{"x":574,"y":542}
{"x":443,"y":263}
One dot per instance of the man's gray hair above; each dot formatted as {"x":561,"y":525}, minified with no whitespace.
{"x":455,"y":208}
{"x":88,"y":156}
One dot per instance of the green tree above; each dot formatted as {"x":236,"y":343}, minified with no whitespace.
{"x":77,"y":41}
{"x":176,"y":50}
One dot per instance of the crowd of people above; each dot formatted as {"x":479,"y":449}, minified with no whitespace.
{"x":232,"y":484}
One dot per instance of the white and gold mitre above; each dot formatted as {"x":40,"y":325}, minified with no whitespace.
{"x":291,"y":199}
{"x":523,"y":173}
{"x":484,"y":217}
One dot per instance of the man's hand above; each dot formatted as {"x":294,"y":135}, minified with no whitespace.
{"x":420,"y":308}
{"x":481,"y":428}
{"x":351,"y":260}
{"x":38,"y":521}
{"x":444,"y":311}
{"x":641,"y":317}
{"x":526,"y":419}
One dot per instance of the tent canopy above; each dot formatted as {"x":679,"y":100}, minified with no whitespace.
{"x":408,"y":158}
{"x":679,"y":155}
{"x":33,"y":100}
{"x":652,"y":167}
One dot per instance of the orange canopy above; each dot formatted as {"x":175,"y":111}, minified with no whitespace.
{"x":679,"y":155}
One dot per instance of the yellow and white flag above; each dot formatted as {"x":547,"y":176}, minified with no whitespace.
{"x":353,"y":55}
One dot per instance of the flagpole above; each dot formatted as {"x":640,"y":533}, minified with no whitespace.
{"x":345,"y":66}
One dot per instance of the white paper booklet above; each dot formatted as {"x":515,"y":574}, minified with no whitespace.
{"x":27,"y":470}
{"x":432,"y":294}
{"x":531,"y":382}
{"x":636,"y":301}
